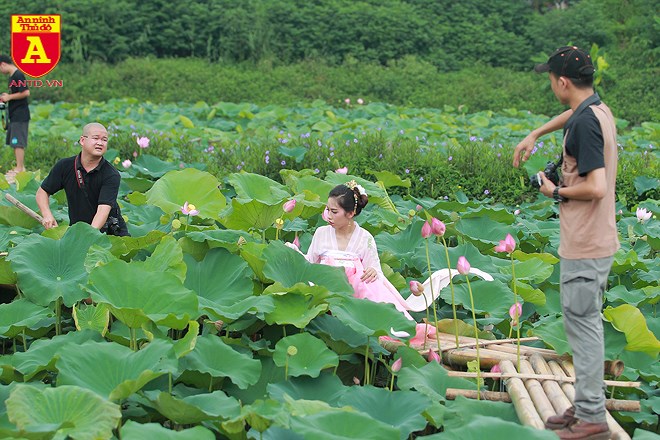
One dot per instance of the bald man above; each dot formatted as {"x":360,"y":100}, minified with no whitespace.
{"x":91,"y":185}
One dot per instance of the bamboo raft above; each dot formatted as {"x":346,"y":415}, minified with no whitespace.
{"x":542,"y":387}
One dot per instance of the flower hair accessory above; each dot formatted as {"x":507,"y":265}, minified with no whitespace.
{"x":353,"y":184}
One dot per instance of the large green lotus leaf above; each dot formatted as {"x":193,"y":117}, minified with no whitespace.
{"x":78,"y":413}
{"x":249,"y":186}
{"x":152,"y":166}
{"x":186,"y":407}
{"x":226,"y":238}
{"x":336,"y":425}
{"x":620,"y":294}
{"x":138,"y":184}
{"x":304,"y":354}
{"x":11,"y":215}
{"x":264,"y":413}
{"x":288,"y":267}
{"x":301,"y":181}
{"x":136,"y":295}
{"x":629,"y":320}
{"x":295,"y":309}
{"x":140,"y":431}
{"x":128,"y":246}
{"x":530,"y":294}
{"x":462,"y":410}
{"x":402,"y":245}
{"x":497,"y":429}
{"x":7,"y":275}
{"x":220,"y":279}
{"x":432,"y":380}
{"x":112,"y":370}
{"x":167,"y":257}
{"x":22,"y":314}
{"x":401,"y":409}
{"x":370,"y":318}
{"x":93,"y":317}
{"x":44,"y":353}
{"x":438,"y":258}
{"x":326,"y":388}
{"x":199,"y":188}
{"x":491,"y":297}
{"x":389,"y":179}
{"x":270,"y":374}
{"x":212,"y":356}
{"x":551,"y":330}
{"x":49,"y":269}
{"x":341,"y":338}
{"x":534,"y":270}
{"x":98,"y":256}
{"x":482,"y":231}
{"x":250,"y":214}
{"x":252,"y":253}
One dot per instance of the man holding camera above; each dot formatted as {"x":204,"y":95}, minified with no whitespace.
{"x":91,"y":185}
{"x":18,"y":111}
{"x":588,"y":234}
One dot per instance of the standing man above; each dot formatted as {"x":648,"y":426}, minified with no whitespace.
{"x":91,"y":185}
{"x":588,"y":234}
{"x":19,"y":112}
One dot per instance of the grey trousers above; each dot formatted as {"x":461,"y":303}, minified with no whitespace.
{"x":583,"y":283}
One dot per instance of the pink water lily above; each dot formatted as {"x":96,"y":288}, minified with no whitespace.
{"x":507,"y":245}
{"x":416,"y":288}
{"x":127,"y":163}
{"x":463,"y":266}
{"x":289,"y":206}
{"x":643,"y":214}
{"x":143,"y":142}
{"x":426,"y":230}
{"x":189,"y":209}
{"x":437,"y":227}
{"x":342,"y":170}
{"x":433,"y":357}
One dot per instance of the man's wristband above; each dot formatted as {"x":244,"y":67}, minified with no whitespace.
{"x":556,"y":196}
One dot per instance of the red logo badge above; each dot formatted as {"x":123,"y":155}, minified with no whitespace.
{"x":35,"y":43}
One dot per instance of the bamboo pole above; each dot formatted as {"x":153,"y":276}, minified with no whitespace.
{"x":462,"y":356}
{"x":520,"y":397}
{"x":503,"y":396}
{"x":24,"y":208}
{"x":614,"y":368}
{"x":617,"y":431}
{"x":527,"y":351}
{"x":537,"y":392}
{"x":554,"y":392}
{"x":555,"y":377}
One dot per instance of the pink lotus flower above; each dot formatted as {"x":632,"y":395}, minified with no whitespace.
{"x":342,"y":170}
{"x":463,"y":266}
{"x":507,"y":245}
{"x":433,"y":356}
{"x":496,"y":369}
{"x":347,"y":101}
{"x":127,"y":163}
{"x":360,"y":101}
{"x":289,"y":206}
{"x":416,"y":288}
{"x":325,"y":215}
{"x":426,"y":230}
{"x":419,"y":207}
{"x":643,"y":214}
{"x":356,"y":381}
{"x":396,"y":366}
{"x":189,"y":209}
{"x":437,"y":227}
{"x":135,"y":154}
{"x":515,"y":311}
{"x":516,"y":212}
{"x":143,"y":142}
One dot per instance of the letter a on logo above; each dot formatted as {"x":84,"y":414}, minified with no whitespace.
{"x":35,"y":43}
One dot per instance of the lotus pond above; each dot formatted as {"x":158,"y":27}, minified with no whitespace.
{"x":208,"y":326}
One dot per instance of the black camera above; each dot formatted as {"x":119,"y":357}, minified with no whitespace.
{"x":2,"y":105}
{"x":551,"y":171}
{"x":111,"y":226}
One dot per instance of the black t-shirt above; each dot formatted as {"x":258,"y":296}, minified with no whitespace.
{"x":18,"y":108}
{"x":101,"y":183}
{"x":585,"y":138}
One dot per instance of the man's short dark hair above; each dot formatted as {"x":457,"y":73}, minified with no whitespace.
{"x":6,"y":59}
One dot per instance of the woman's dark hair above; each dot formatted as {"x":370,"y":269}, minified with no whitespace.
{"x":349,"y":199}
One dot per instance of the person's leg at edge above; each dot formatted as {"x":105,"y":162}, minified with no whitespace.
{"x":582,"y":286}
{"x":19,"y":152}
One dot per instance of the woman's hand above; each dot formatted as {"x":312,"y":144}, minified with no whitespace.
{"x":370,"y":275}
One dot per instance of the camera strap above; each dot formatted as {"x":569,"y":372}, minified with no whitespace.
{"x":81,"y":182}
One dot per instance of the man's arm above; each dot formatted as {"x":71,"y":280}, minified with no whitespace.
{"x":101,"y":216}
{"x":593,"y":188}
{"x":43,"y":199}
{"x":6,"y":97}
{"x":527,"y":144}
